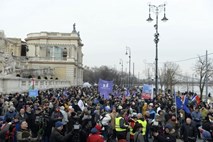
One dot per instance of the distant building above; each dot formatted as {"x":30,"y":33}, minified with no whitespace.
{"x":11,"y":45}
{"x":44,"y":55}
{"x":61,"y":53}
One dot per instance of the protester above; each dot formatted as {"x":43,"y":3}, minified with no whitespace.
{"x":143,"y":122}
{"x":95,"y":135}
{"x":120,"y":126}
{"x":132,"y":121}
{"x":25,"y":135}
{"x":197,"y":118}
{"x":189,"y":131}
{"x":138,"y":133}
{"x":56,"y":135}
{"x":81,"y":109}
{"x":208,"y":124}
{"x":4,"y":132}
{"x":175,"y":124}
{"x":105,"y":121}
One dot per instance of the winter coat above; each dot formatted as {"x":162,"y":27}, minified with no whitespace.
{"x":25,"y":136}
{"x":4,"y":131}
{"x":138,"y":137}
{"x":95,"y":136}
{"x":10,"y":115}
{"x":56,"y":136}
{"x":164,"y":138}
{"x":189,"y":132}
{"x":31,"y":122}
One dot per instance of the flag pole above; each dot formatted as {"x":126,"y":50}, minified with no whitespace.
{"x":175,"y":104}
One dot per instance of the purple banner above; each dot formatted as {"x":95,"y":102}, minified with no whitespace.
{"x":105,"y":88}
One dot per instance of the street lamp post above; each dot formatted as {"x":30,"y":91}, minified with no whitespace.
{"x":121,"y":63}
{"x":156,"y":10}
{"x":128,"y":52}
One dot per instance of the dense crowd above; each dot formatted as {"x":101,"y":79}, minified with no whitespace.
{"x":79,"y":114}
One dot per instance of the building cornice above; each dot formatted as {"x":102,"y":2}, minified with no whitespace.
{"x":53,"y":62}
{"x":51,"y":38}
{"x":51,"y":44}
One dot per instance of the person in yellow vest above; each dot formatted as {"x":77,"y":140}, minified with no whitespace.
{"x":120,"y":126}
{"x":143,"y":122}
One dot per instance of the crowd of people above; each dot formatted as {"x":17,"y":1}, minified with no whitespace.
{"x":78,"y":114}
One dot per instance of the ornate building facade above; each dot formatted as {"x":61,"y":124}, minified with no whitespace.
{"x":44,"y":55}
{"x":60,"y":54}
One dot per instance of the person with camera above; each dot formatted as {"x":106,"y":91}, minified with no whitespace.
{"x":166,"y":136}
{"x":57,"y":136}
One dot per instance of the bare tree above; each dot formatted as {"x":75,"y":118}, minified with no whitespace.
{"x":168,"y":75}
{"x":200,"y":68}
{"x":162,"y":78}
{"x":92,"y":75}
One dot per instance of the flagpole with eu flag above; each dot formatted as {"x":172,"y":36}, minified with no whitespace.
{"x":182,"y":104}
{"x":175,"y":104}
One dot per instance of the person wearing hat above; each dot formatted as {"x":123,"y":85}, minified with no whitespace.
{"x":206,"y":135}
{"x":95,"y":135}
{"x":151,"y":111}
{"x":105,"y":121}
{"x":56,"y":135}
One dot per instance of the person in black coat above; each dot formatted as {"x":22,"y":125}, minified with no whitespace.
{"x":166,"y":136}
{"x":188,"y":131}
{"x":31,"y":121}
{"x":208,"y":124}
{"x":56,"y":135}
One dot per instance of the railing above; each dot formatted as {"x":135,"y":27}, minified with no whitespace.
{"x":47,"y":58}
{"x":49,"y":34}
{"x":13,"y":85}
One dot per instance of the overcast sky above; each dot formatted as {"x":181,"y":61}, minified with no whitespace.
{"x":108,"y":26}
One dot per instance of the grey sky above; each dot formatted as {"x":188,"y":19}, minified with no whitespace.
{"x":107,"y":27}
